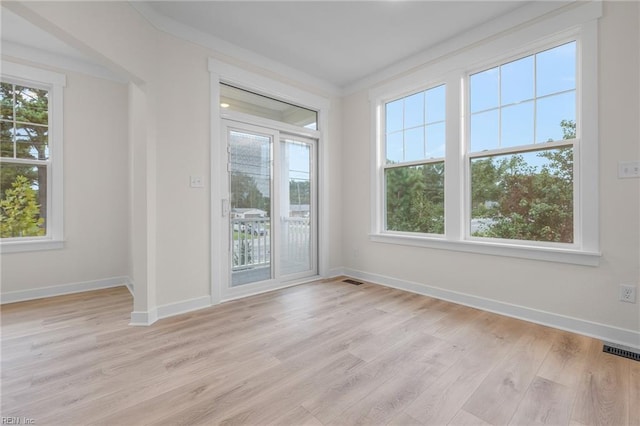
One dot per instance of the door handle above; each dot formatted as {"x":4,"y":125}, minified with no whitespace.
{"x":225,"y":207}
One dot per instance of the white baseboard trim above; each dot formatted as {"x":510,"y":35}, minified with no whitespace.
{"x":190,"y":305}
{"x":336,"y":272}
{"x":605,"y":332}
{"x":130,"y":286}
{"x":146,"y":318}
{"x":183,"y":307}
{"x":59,"y":290}
{"x":236,"y":293}
{"x":143,"y":318}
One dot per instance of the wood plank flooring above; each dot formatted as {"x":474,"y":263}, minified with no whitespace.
{"x":326,"y":353}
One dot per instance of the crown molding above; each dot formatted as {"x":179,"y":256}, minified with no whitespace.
{"x":171,"y":26}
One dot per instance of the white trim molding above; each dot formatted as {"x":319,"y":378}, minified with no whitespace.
{"x":29,"y":245}
{"x":254,"y":290}
{"x":139,"y":318}
{"x":130,"y":286}
{"x":547,"y":254}
{"x":222,"y":72}
{"x":182,"y":307}
{"x":60,"y":290}
{"x":147,"y":318}
{"x":143,"y":319}
{"x":605,"y":332}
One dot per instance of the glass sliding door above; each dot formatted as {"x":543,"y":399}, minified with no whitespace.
{"x":297,"y":206}
{"x":270,"y":211}
{"x":250,"y":180}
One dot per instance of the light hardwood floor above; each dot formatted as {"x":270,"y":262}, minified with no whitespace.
{"x":326,"y":353}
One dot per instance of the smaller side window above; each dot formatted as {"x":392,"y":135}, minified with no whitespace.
{"x":30,"y":158}
{"x":24,"y":145}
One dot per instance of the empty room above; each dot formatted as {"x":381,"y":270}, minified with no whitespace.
{"x":320,"y":213}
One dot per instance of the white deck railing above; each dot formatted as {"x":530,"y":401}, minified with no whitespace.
{"x":251,"y":241}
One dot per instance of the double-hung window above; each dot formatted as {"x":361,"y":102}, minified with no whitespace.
{"x":30,"y":158}
{"x":522,"y":133}
{"x":414,"y":166}
{"x":502,"y":159}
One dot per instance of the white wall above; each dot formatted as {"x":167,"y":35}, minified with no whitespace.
{"x":183,"y":123}
{"x":589,"y":294}
{"x":170,"y":221}
{"x":95,"y":194}
{"x":183,"y":149}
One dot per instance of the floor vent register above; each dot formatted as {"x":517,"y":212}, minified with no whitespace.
{"x":623,"y":351}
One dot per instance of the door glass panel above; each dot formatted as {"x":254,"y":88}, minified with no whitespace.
{"x":295,"y":207}
{"x":250,"y":189}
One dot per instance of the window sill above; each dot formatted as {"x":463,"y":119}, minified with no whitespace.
{"x":30,"y":245}
{"x":549,"y":254}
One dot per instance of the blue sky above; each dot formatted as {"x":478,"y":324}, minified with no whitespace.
{"x":524,"y":101}
{"x":518,"y":103}
{"x":299,"y":159}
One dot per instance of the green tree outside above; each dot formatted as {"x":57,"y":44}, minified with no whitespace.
{"x":245,"y":193}
{"x":19,"y":211}
{"x":517,"y":200}
{"x":523,"y":196}
{"x":415,"y":198}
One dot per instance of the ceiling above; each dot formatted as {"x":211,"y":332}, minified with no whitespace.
{"x":339,"y":42}
{"x":335,"y":42}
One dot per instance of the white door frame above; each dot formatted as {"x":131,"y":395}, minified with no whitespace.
{"x":222,"y":72}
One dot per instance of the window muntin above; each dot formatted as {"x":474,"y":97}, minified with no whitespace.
{"x":523,"y":101}
{"x":522,"y":136}
{"x":25,"y":155}
{"x":415,"y":126}
{"x":415,"y":143}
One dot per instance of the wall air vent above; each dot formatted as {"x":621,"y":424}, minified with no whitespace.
{"x":623,"y":351}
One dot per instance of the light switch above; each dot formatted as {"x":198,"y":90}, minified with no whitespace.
{"x":628,"y":169}
{"x":196,"y":182}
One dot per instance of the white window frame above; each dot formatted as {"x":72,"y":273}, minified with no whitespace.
{"x":53,"y":82}
{"x":534,"y":147}
{"x":403,"y":164}
{"x":579,"y":24}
